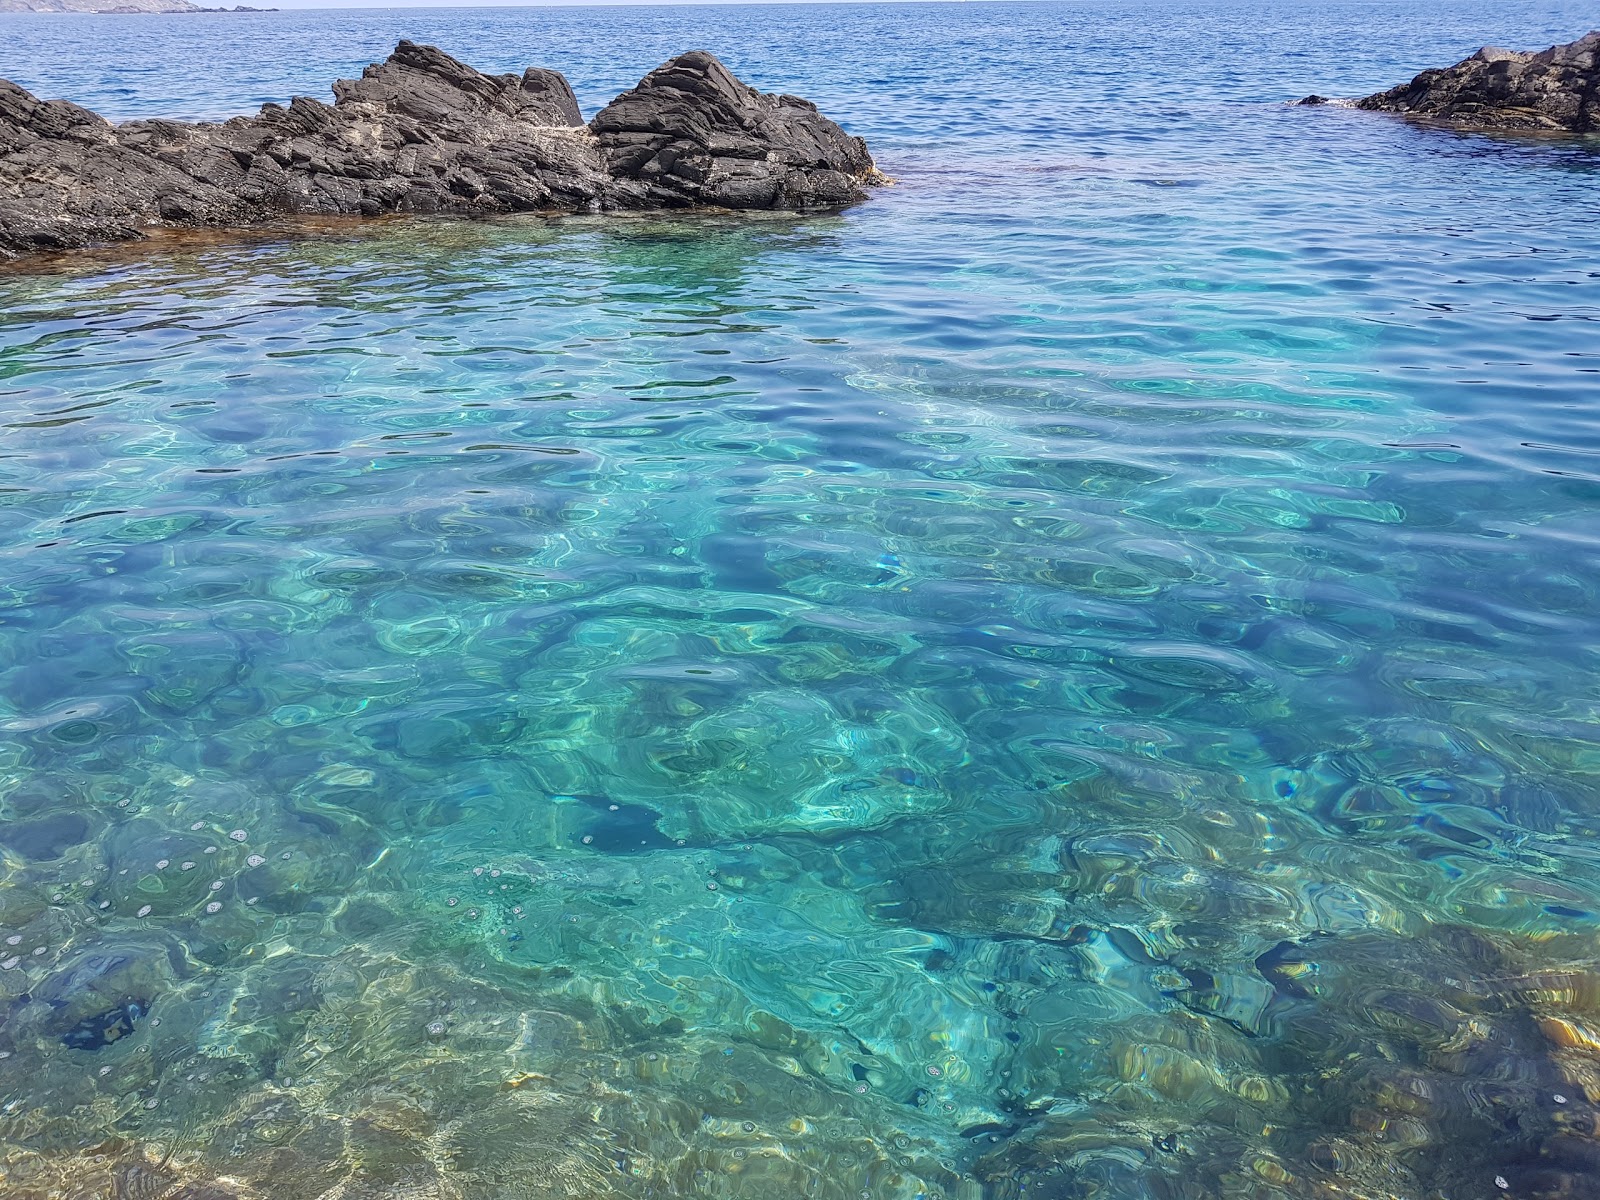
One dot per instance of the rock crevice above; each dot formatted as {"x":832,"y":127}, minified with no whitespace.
{"x":422,"y":133}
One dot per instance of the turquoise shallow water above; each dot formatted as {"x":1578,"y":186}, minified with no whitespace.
{"x":1072,"y":678}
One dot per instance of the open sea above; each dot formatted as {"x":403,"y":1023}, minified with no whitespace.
{"x":1078,"y":677}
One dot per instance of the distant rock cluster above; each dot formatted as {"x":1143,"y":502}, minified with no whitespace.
{"x":1556,"y":89}
{"x":422,"y":133}
{"x":99,"y":6}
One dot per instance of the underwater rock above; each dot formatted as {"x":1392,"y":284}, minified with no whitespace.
{"x":141,"y":1181}
{"x":46,"y":837}
{"x":98,"y":996}
{"x":421,"y":133}
{"x":1555,"y":89}
{"x":1424,"y":1064}
{"x":144,"y":1181}
{"x":103,"y":1028}
{"x":622,"y":828}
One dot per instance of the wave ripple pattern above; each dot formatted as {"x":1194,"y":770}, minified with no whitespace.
{"x":1074,"y":678}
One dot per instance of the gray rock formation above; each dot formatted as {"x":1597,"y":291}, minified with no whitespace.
{"x":691,"y":133}
{"x":421,"y":133}
{"x":1555,"y":89}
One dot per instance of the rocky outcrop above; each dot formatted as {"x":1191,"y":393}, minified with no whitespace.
{"x":422,"y":133}
{"x":691,"y":133}
{"x":1555,"y":89}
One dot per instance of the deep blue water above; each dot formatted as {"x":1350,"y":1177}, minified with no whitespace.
{"x":1075,"y":677}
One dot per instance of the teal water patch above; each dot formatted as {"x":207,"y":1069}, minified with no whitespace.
{"x":1051,"y":683}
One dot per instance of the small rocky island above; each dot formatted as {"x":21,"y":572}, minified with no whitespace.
{"x":422,"y":133}
{"x":1556,"y":89}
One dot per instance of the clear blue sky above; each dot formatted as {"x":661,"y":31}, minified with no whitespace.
{"x":286,"y":4}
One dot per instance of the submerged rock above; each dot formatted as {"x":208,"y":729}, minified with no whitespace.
{"x":104,"y":1028}
{"x":421,"y":133}
{"x":1555,"y":89}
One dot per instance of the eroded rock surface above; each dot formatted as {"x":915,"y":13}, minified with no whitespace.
{"x":421,"y":133}
{"x":691,"y":133}
{"x":1555,"y":89}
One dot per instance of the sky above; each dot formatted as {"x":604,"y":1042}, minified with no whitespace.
{"x":307,"y":4}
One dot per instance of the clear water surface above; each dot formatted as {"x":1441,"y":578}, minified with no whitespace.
{"x":1074,"y":678}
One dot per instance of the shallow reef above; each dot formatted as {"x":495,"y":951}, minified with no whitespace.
{"x":308,"y":999}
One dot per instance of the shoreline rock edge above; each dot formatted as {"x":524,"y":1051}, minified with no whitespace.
{"x":422,"y":132}
{"x":1553,"y":90}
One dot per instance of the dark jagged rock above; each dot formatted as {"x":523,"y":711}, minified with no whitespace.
{"x":421,"y":133}
{"x":1555,"y":89}
{"x":691,"y":133}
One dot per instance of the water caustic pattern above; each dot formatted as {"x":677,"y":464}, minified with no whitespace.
{"x":1072,"y":679}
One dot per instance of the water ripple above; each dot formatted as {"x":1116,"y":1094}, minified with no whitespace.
{"x":1074,"y":676}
